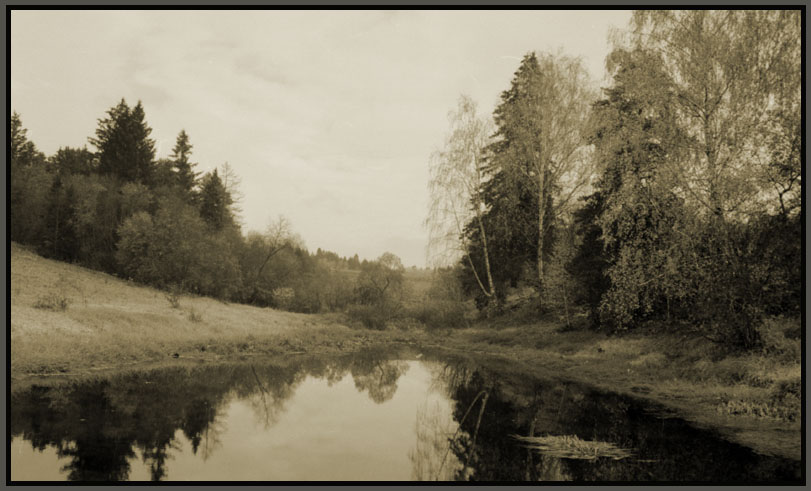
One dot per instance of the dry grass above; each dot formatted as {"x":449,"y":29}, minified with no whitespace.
{"x":753,"y":398}
{"x":112,"y":322}
{"x":572,"y":447}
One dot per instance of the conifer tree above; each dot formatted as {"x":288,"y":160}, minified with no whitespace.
{"x":184,"y":168}
{"x":214,"y":201}
{"x":124,"y":149}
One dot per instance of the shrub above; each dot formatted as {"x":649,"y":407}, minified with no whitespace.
{"x":52,"y":301}
{"x":778,"y":339}
{"x":440,"y":313}
{"x":194,"y":316}
{"x":173,"y":296}
{"x":370,"y":316}
{"x":375,"y":316}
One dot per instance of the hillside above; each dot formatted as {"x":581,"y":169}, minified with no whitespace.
{"x":109,"y":322}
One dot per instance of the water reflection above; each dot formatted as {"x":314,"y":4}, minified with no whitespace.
{"x":665,"y":449}
{"x":303,"y":418}
{"x":98,"y":428}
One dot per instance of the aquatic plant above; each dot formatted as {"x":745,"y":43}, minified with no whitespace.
{"x":572,"y":447}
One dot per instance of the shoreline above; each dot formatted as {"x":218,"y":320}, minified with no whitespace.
{"x":111,"y":325}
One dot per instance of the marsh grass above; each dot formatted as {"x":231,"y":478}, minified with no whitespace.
{"x":572,"y":447}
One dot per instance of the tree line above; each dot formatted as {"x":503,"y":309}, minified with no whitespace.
{"x":670,"y":198}
{"x":159,"y":222}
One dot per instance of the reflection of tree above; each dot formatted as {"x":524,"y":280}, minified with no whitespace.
{"x":98,"y":425}
{"x":198,"y":416}
{"x":378,"y":377}
{"x":271,"y":394}
{"x":434,"y":428}
{"x":521,"y":404}
{"x":96,"y":459}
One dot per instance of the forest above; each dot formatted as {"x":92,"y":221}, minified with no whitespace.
{"x":668,"y":200}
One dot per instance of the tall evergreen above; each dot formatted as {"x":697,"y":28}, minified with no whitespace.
{"x":124,"y":149}
{"x":214,"y":201}
{"x":23,"y":151}
{"x":184,"y":173}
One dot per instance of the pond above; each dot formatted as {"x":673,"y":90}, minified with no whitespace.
{"x":367,"y":416}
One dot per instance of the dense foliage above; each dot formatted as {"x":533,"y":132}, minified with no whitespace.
{"x":160,"y":223}
{"x":691,"y":217}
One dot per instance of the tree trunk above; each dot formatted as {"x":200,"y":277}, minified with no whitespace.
{"x":541,"y":201}
{"x":566,"y":307}
{"x":486,"y":256}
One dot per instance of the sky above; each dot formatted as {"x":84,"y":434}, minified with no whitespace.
{"x":328,"y":117}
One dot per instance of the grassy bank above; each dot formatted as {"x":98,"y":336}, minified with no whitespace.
{"x":67,"y":319}
{"x":72,"y":321}
{"x":752,"y":398}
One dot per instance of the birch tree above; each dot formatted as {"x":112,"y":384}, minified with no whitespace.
{"x":731,"y":72}
{"x":455,"y":192}
{"x":539,"y":136}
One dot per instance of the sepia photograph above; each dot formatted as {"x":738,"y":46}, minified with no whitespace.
{"x":266,"y":246}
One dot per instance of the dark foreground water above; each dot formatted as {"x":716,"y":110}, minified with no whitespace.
{"x":363,"y":417}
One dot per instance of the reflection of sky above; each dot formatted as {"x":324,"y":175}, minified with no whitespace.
{"x":324,"y":433}
{"x":33,"y":465}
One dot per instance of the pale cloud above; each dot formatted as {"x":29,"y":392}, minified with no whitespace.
{"x":328,"y":117}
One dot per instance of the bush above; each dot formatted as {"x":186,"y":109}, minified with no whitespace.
{"x":371,"y":316}
{"x":175,"y":247}
{"x":173,"y":296}
{"x":440,"y":313}
{"x":778,"y":339}
{"x":194,"y":316}
{"x":52,"y":301}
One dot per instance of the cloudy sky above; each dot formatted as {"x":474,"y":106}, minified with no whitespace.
{"x":328,"y":117}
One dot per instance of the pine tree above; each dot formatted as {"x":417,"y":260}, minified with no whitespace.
{"x":124,"y":149}
{"x":185,"y":175}
{"x":214,"y":202}
{"x":538,"y":157}
{"x":23,"y":152}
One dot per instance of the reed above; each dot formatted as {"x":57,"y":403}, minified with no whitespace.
{"x":572,"y":447}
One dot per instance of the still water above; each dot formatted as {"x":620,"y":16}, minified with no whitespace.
{"x":369,"y":416}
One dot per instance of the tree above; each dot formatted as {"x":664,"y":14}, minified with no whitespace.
{"x":175,"y":248}
{"x":260,"y":249}
{"x":381,"y":281}
{"x":23,"y":151}
{"x":538,"y":138}
{"x":634,"y":133}
{"x":455,"y":190}
{"x":232,"y":182}
{"x":60,"y":241}
{"x":183,"y":167}
{"x":215,"y":201}
{"x":29,"y":185}
{"x":124,"y":149}
{"x":101,"y":205}
{"x":19,"y":137}
{"x":730,"y":83}
{"x":729,"y":69}
{"x":69,"y":160}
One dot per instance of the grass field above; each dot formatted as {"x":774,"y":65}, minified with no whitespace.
{"x":67,"y":319}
